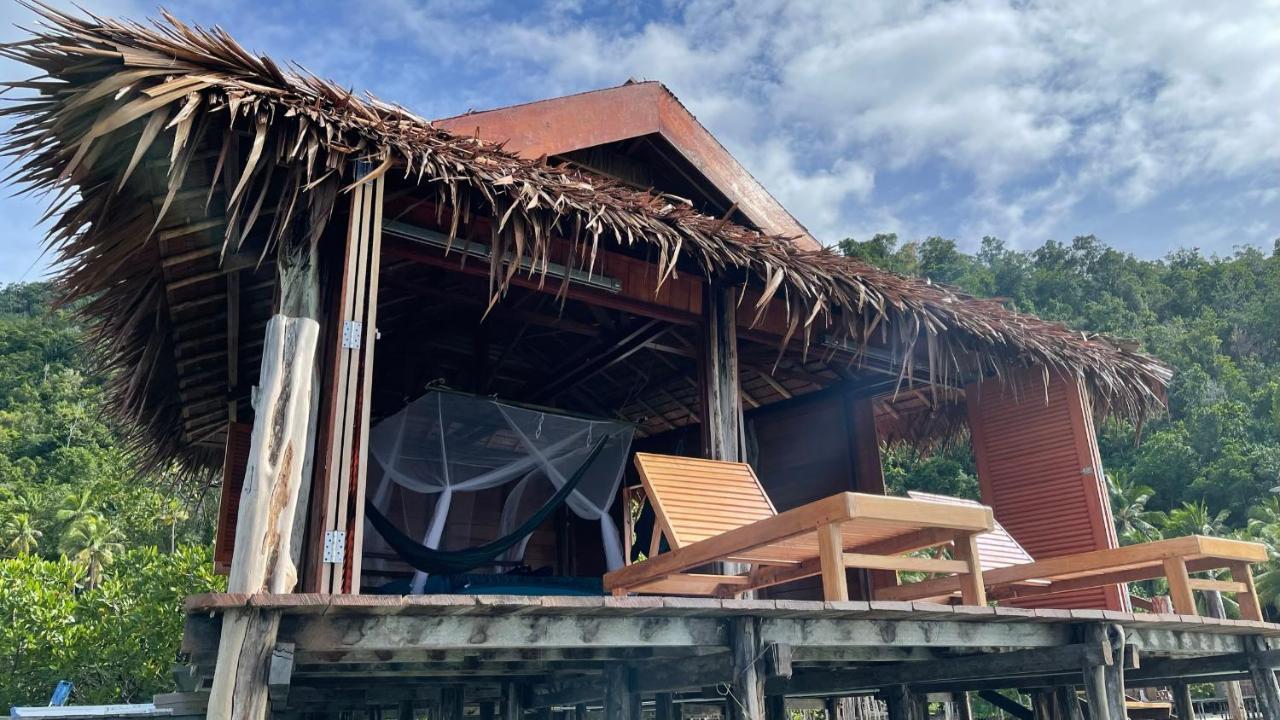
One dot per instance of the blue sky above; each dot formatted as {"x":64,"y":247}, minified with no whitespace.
{"x":1154,"y":125}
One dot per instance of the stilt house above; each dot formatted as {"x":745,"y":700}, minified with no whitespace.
{"x":399,"y":343}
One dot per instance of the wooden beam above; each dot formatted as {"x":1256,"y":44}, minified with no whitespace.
{"x":596,"y":358}
{"x":1016,"y":709}
{"x":618,"y":694}
{"x":953,"y":670}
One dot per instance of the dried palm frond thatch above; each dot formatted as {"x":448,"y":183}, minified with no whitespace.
{"x":110,"y":90}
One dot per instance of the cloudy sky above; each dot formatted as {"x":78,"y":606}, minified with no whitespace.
{"x":1154,"y":125}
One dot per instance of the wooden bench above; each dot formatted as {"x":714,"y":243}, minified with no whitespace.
{"x":1174,"y":559}
{"x":711,"y":511}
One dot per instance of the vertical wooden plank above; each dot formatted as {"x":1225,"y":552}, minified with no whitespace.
{"x":835,"y":586}
{"x":963,"y":708}
{"x":617,"y":696}
{"x":972,"y":591}
{"x":1184,"y":602}
{"x":1247,"y":599}
{"x":356,"y":523}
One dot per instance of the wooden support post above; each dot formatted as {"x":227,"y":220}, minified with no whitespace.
{"x":618,"y":693}
{"x":1068,"y":703}
{"x":512,"y":702}
{"x":1247,"y":599}
{"x":263,"y":557}
{"x":776,"y":707}
{"x":1266,"y":691}
{"x":972,"y":591}
{"x":1184,"y":602}
{"x":835,"y":584}
{"x":832,"y":708}
{"x":868,"y":472}
{"x":487,"y":711}
{"x":406,"y":710}
{"x":451,"y":699}
{"x":1182,"y":705}
{"x":963,"y":708}
{"x":664,"y":706}
{"x":919,"y":706}
{"x":746,"y":701}
{"x":722,"y":427}
{"x":1112,"y":674}
{"x":898,"y":701}
{"x":1042,"y":705}
{"x":580,"y":712}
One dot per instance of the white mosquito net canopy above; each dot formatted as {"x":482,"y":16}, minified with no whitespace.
{"x":446,"y":443}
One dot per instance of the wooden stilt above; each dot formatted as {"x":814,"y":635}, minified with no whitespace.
{"x":580,"y":712}
{"x":747,"y":698}
{"x":832,"y":705}
{"x":898,"y":701}
{"x":512,"y":702}
{"x":263,"y":556}
{"x":406,"y":710}
{"x":487,"y":711}
{"x":1184,"y":602}
{"x":1068,"y":703}
{"x":835,"y":584}
{"x":919,"y":706}
{"x":776,"y":707}
{"x":1182,"y":705}
{"x":1266,"y":691}
{"x":1042,"y":705}
{"x":963,"y":708}
{"x":618,"y":693}
{"x":972,"y":591}
{"x":664,"y":707}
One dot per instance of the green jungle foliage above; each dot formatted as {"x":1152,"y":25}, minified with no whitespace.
{"x":1210,"y":464}
{"x":94,"y":561}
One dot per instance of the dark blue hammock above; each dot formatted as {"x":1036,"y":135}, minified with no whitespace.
{"x":452,"y":562}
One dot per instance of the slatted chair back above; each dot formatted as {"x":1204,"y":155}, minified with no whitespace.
{"x":695,"y":499}
{"x":997,"y":548}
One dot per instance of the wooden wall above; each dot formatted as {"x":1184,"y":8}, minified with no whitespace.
{"x":807,"y":450}
{"x":1039,"y":470}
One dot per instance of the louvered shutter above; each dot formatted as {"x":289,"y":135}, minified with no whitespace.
{"x":233,"y":468}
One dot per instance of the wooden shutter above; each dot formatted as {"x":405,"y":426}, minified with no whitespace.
{"x":1039,"y":470}
{"x":233,"y":468}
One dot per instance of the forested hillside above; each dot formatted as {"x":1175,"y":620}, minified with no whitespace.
{"x":1210,"y":464}
{"x":98,"y":560}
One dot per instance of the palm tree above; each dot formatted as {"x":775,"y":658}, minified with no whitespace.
{"x":21,"y":535}
{"x":94,"y":543}
{"x":1264,"y":527}
{"x":1194,"y":518}
{"x":77,"y":505}
{"x":171,"y":514}
{"x":1129,"y":507}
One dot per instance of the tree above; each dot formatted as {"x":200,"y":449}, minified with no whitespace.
{"x":1134,"y":523}
{"x":94,"y":543}
{"x":20,"y":535}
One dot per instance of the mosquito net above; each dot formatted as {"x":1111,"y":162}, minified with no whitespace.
{"x":446,"y":443}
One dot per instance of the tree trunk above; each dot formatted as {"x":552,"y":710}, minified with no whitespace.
{"x":265,"y":529}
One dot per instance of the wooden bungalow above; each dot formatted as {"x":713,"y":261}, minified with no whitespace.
{"x":280,"y":271}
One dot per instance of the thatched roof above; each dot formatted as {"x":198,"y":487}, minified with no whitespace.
{"x":112,"y":93}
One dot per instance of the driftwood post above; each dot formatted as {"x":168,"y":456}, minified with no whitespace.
{"x":1182,"y":705}
{"x":722,"y":401}
{"x":264,"y":547}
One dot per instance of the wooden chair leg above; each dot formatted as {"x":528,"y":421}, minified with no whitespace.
{"x":1247,"y":599}
{"x":1184,"y":602}
{"x":835,"y":586}
{"x":972,"y":590}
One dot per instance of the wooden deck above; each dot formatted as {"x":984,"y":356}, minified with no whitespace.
{"x":361,"y":651}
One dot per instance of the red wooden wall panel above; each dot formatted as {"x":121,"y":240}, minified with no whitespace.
{"x":1039,"y":470}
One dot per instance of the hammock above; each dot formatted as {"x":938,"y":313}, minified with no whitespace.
{"x":452,"y":562}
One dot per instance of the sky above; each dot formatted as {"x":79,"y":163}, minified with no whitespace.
{"x":1153,"y":125}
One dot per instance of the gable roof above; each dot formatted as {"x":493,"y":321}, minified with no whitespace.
{"x":633,"y":110}
{"x":111,"y":89}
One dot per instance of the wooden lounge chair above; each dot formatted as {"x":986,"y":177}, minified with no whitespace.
{"x":1174,"y":559}
{"x":711,"y":511}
